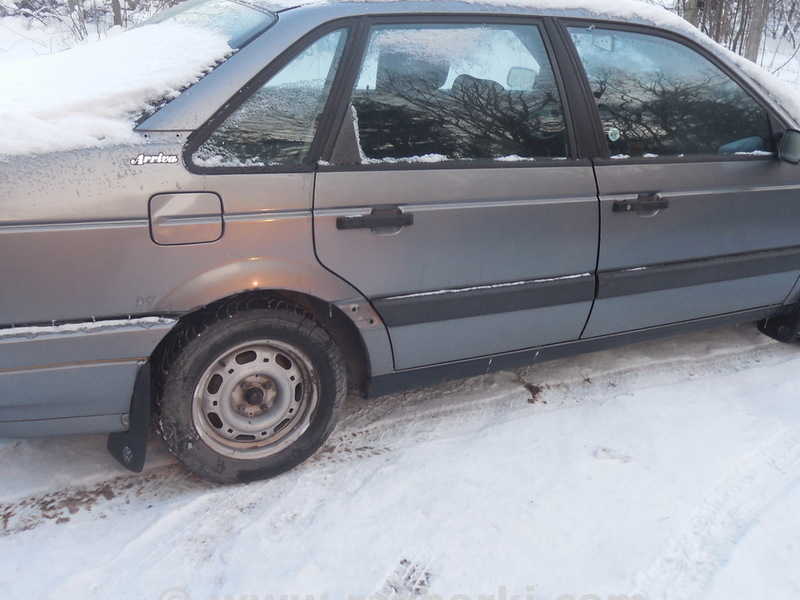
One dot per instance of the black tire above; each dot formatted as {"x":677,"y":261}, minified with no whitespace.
{"x":247,"y":393}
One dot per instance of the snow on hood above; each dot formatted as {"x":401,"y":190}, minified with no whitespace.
{"x":90,"y":95}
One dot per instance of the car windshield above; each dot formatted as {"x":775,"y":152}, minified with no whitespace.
{"x":239,"y":21}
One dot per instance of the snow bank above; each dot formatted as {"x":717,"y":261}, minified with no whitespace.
{"x":90,"y":95}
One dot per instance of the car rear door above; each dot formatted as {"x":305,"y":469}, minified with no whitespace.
{"x":452,"y":199}
{"x":698,"y":218}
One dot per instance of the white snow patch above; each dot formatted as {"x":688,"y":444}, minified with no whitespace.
{"x":90,"y":95}
{"x":426,"y":158}
{"x":83,"y":327}
{"x":439,"y":158}
{"x":517,"y":158}
{"x":210,"y":160}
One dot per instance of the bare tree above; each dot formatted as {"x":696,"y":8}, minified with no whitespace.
{"x":755,"y":29}
{"x":116,"y":10}
{"x":742,"y":24}
{"x":690,"y":11}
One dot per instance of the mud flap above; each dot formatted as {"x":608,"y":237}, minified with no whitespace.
{"x":784,"y":329}
{"x":129,"y":448}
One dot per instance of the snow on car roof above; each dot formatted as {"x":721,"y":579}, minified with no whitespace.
{"x":617,"y":10}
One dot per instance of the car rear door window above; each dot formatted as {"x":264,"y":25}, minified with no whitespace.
{"x":456,"y":92}
{"x":657,"y":97}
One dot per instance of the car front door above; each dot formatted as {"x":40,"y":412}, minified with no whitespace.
{"x":452,"y":199}
{"x":698,"y":218}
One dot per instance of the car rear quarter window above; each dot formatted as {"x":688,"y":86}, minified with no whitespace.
{"x":657,"y":97}
{"x":276,"y":125}
{"x":456,"y":92}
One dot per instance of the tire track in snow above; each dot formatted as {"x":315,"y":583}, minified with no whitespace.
{"x":200,"y":530}
{"x":99,"y":500}
{"x":687,"y":567}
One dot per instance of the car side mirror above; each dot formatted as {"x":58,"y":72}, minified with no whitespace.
{"x":789,"y":148}
{"x":520,"y":78}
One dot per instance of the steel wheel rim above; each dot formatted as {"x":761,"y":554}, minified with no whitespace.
{"x":256,"y":399}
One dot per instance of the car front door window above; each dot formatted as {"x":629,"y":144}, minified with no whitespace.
{"x":657,"y":97}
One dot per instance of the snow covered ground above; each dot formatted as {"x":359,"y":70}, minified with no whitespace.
{"x":666,"y":470}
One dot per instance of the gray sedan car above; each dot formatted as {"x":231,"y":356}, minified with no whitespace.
{"x":376,"y":196}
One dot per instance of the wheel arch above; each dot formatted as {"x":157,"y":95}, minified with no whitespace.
{"x":304,"y":284}
{"x":332,"y":318}
{"x":253,"y":275}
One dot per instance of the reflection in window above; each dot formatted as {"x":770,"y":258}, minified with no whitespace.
{"x":657,"y":97}
{"x":277,"y":124}
{"x":449,"y":93}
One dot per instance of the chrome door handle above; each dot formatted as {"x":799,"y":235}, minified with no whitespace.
{"x":644,"y":203}
{"x":379,"y":218}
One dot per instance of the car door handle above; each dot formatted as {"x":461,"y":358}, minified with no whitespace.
{"x":644,"y":203}
{"x":379,"y":218}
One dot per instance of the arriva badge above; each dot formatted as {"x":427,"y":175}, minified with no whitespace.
{"x":155,"y":159}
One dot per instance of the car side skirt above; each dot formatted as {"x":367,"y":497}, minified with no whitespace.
{"x":66,"y":426}
{"x":415,"y":378}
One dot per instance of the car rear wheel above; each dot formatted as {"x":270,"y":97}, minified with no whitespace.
{"x":249,"y":393}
